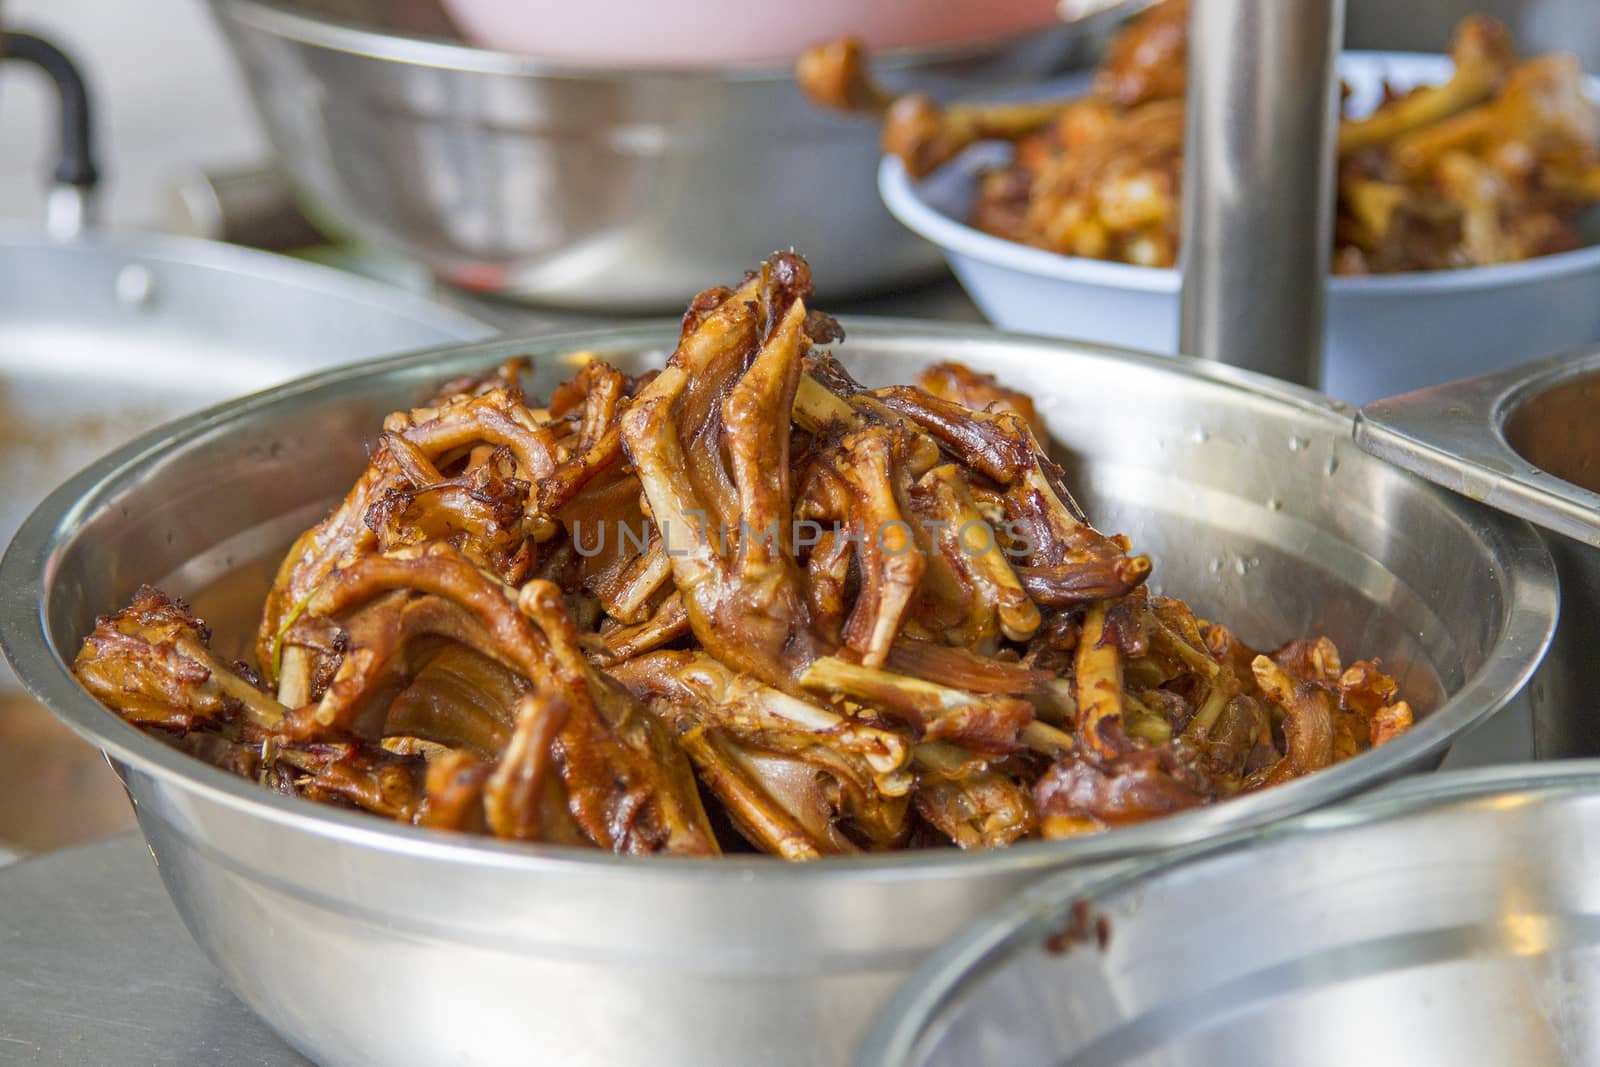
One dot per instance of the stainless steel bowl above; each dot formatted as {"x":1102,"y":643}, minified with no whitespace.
{"x":1524,"y":441}
{"x":107,"y":335}
{"x":592,"y":188}
{"x":1452,"y":919}
{"x":367,"y":942}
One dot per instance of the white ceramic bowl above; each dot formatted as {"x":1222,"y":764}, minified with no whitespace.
{"x":1386,"y":334}
{"x":701,"y":32}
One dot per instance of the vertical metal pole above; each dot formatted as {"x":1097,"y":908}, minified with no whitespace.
{"x":1258,"y":182}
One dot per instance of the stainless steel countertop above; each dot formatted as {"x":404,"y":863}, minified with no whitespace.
{"x":96,"y":968}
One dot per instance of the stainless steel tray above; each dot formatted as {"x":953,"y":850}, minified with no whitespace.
{"x":96,"y":968}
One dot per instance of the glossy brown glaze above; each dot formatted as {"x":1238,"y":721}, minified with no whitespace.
{"x":849,"y":619}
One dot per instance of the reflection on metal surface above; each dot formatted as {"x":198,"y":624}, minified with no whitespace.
{"x":1529,"y":935}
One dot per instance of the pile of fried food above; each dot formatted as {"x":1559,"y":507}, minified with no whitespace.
{"x":740,"y":600}
{"x":1493,"y":166}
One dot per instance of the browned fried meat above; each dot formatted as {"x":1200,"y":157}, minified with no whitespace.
{"x":849,"y":619}
{"x":1496,"y":164}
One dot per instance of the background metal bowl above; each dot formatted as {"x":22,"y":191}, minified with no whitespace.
{"x":368,"y":942}
{"x":592,"y":188}
{"x":1385,"y":333}
{"x":1445,"y":920}
{"x":107,"y":335}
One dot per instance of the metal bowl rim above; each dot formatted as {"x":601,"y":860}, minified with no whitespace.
{"x":1529,"y":585}
{"x":199,"y":253}
{"x":905,"y":201}
{"x":1525,"y":384}
{"x":1454,"y":434}
{"x":283,"y":20}
{"x":1037,"y":910}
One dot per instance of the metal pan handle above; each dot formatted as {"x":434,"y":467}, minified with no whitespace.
{"x":72,"y":200}
{"x":1455,"y":436}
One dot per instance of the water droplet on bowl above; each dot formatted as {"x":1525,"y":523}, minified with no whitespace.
{"x":135,"y":286}
{"x":1298,"y":443}
{"x":1274,"y":504}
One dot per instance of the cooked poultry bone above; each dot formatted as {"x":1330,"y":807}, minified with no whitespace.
{"x":1544,"y":100}
{"x":1067,"y":560}
{"x":988,"y":723}
{"x":795,"y":803}
{"x":1147,"y":62}
{"x":709,"y":438}
{"x":151,"y":664}
{"x":792,"y":773}
{"x":921,"y":133}
{"x":721,"y":698}
{"x":1484,"y":56}
{"x":970,"y":802}
{"x":630,"y":788}
{"x":406,"y":462}
{"x":866,"y":618}
{"x":834,"y":75}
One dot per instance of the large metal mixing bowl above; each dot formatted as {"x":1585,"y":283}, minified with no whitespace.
{"x":1445,"y":920}
{"x":367,"y":942}
{"x":592,"y":188}
{"x":1526,"y":441}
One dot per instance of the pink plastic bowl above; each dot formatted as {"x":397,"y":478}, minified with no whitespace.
{"x":698,"y":33}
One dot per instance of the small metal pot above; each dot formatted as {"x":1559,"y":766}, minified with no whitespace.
{"x":592,"y":188}
{"x":1525,"y":441}
{"x":363,"y":941}
{"x":1451,"y":919}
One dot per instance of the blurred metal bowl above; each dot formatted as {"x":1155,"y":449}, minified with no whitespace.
{"x":1452,"y":919}
{"x":1525,"y":441}
{"x":362,"y":941}
{"x":107,"y":335}
{"x":1386,"y":333}
{"x":592,"y":188}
